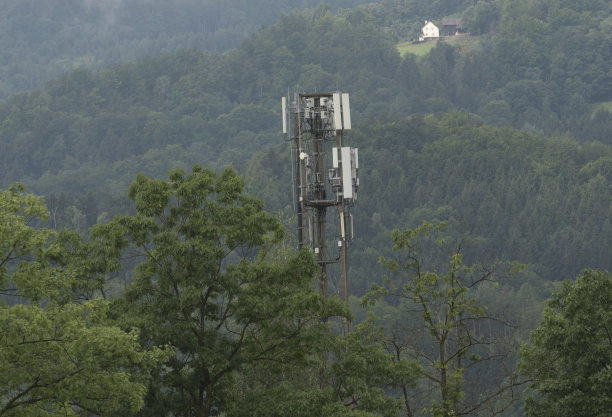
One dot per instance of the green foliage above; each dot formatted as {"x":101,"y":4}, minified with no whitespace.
{"x":519,"y":196}
{"x":43,"y":39}
{"x":18,"y":238}
{"x":363,"y":370}
{"x":353,"y":376}
{"x":438,"y":319}
{"x":569,"y":354}
{"x":208,"y":109}
{"x":205,"y":287}
{"x":59,"y":357}
{"x":66,"y":360}
{"x":424,"y":48}
{"x":537,"y":66}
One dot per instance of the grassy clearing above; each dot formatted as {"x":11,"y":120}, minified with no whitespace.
{"x":606,"y":105}
{"x":419,"y":49}
{"x":423,"y":48}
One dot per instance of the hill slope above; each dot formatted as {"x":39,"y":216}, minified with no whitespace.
{"x":540,"y":201}
{"x":41,"y":39}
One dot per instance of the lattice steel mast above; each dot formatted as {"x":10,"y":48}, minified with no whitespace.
{"x":321,"y":122}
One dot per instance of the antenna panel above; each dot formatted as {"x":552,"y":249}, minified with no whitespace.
{"x":347,"y":178}
{"x":335,"y":157}
{"x":337,"y":111}
{"x":284,"y":101}
{"x":346,"y":111}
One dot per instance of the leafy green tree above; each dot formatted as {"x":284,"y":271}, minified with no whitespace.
{"x":569,"y":354}
{"x":58,"y":357}
{"x":357,"y":379}
{"x":205,"y":287}
{"x":442,"y":325}
{"x":365,"y":369}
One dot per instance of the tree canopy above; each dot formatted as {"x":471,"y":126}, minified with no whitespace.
{"x":439,"y":322}
{"x":569,"y":354}
{"x":504,"y":135}
{"x":58,"y":355}
{"x":43,"y":39}
{"x":206,"y":287}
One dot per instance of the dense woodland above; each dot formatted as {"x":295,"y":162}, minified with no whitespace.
{"x":43,"y":39}
{"x":491,"y":160}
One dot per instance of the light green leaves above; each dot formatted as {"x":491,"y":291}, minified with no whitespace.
{"x":59,"y":356}
{"x":569,"y":355}
{"x":17,"y":238}
{"x":68,"y":356}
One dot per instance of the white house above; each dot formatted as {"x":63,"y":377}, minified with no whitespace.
{"x":430,"y":31}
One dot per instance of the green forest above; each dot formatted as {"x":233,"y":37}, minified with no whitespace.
{"x":40,"y":40}
{"x":148,"y":259}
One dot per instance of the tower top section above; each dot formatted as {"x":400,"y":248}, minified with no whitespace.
{"x":330,"y":112}
{"x":318,"y":125}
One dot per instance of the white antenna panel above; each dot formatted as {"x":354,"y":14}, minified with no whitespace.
{"x":337,"y":111}
{"x":346,"y":111}
{"x":335,"y":157}
{"x":347,"y":178}
{"x":284,"y":114}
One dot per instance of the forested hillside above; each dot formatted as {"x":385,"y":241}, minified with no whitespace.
{"x":534,"y":65}
{"x":84,"y":137}
{"x":227,"y":104}
{"x":541,"y":66}
{"x":181,"y":294}
{"x":512,"y":194}
{"x":41,"y":39}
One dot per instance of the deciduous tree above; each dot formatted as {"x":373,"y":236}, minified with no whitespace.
{"x":569,"y":354}
{"x":57,"y":356}
{"x":205,"y":286}
{"x":441,"y":324}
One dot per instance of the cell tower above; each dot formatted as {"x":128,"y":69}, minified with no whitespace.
{"x":325,"y":175}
